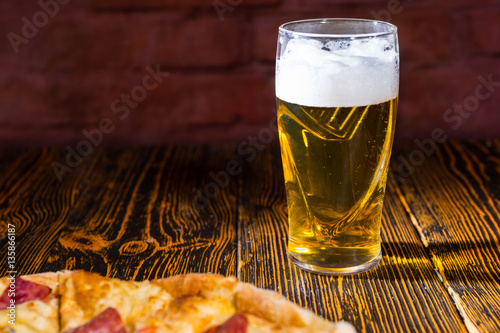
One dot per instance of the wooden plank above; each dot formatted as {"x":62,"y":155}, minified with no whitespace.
{"x":453,"y":199}
{"x":402,"y":294}
{"x":36,"y":202}
{"x":136,"y":217}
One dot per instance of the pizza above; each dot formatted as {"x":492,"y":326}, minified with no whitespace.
{"x":83,"y":302}
{"x":29,"y":304}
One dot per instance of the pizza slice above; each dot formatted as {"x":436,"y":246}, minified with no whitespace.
{"x":90,"y":302}
{"x":29,"y":303}
{"x":210,"y":303}
{"x":199,"y":301}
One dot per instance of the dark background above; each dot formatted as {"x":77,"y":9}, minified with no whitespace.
{"x":64,"y":64}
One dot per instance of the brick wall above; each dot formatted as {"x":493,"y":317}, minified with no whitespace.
{"x":67,"y":65}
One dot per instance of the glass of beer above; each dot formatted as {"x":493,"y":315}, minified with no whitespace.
{"x":337,"y":84}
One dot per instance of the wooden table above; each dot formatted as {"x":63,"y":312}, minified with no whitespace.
{"x":131,"y":213}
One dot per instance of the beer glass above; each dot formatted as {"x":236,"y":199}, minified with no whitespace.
{"x":337,"y":84}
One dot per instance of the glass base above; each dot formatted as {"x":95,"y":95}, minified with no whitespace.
{"x":336,"y":270}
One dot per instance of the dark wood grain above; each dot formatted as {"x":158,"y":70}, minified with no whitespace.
{"x":36,"y":202}
{"x":402,"y":294}
{"x":453,"y":199}
{"x":136,"y":217}
{"x":132,"y":213}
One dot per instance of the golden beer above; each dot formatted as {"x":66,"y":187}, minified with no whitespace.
{"x":335,"y":164}
{"x":337,"y":83}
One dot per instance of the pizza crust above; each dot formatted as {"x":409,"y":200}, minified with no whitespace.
{"x":271,"y":306}
{"x":283,"y":315}
{"x":200,"y":301}
{"x":266,"y":310}
{"x":199,"y":284}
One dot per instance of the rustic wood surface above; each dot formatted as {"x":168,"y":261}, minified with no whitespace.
{"x":402,"y":294}
{"x":456,"y":210}
{"x":147,"y":212}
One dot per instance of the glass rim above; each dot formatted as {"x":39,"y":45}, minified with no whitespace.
{"x":393,"y":29}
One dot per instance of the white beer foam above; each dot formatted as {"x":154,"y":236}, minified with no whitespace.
{"x":337,"y":74}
